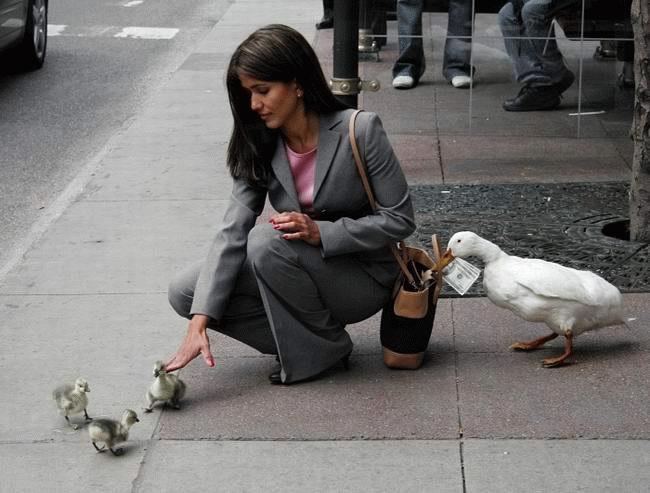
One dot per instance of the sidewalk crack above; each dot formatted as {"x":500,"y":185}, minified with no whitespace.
{"x":436,"y":125}
{"x":137,"y":482}
{"x":458,"y":413}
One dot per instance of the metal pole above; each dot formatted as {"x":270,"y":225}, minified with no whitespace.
{"x":345,"y":81}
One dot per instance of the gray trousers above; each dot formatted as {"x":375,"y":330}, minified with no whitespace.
{"x":290,"y":301}
{"x":458,"y":45}
{"x":530,"y":41}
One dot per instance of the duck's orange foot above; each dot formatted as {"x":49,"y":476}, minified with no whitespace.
{"x":523,"y":346}
{"x":530,"y":345}
{"x":560,"y":360}
{"x":553,"y":362}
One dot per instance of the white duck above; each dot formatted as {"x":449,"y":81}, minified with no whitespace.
{"x":567,"y":300}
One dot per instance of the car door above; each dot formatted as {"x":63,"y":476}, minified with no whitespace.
{"x":12,"y":20}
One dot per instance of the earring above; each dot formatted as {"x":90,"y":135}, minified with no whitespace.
{"x":299,"y":93}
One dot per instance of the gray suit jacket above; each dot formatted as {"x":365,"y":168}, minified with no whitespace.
{"x":347,"y":224}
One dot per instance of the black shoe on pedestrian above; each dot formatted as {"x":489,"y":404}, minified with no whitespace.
{"x":534,"y":98}
{"x":565,"y":82}
{"x":606,"y":51}
{"x":327,"y":22}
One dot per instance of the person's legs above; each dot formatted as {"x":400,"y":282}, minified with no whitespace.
{"x":327,"y":21}
{"x":625,"y":54}
{"x":411,"y":52}
{"x":530,"y":42}
{"x":458,"y":45}
{"x":543,"y":64}
{"x":514,"y":32}
{"x":244,"y":319}
{"x":309,"y":300}
{"x":538,"y":64}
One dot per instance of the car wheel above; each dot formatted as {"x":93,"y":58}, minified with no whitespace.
{"x":30,"y":53}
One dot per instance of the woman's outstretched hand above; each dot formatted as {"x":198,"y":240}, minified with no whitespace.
{"x":297,"y":226}
{"x":196,"y":342}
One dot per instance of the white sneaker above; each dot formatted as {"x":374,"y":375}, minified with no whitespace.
{"x":461,"y":81}
{"x":403,"y":82}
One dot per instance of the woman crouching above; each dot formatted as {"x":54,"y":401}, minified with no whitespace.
{"x":289,"y":287}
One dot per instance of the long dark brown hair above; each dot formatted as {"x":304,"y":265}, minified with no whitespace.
{"x":275,"y":53}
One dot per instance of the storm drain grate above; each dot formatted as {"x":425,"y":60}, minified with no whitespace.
{"x":561,"y":223}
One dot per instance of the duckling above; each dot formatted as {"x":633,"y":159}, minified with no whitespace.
{"x":72,"y":399}
{"x":165,"y":387}
{"x":569,"y":301}
{"x":111,"y":431}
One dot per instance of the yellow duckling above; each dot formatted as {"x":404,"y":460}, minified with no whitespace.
{"x":72,"y":399}
{"x":110,"y":431}
{"x":166,"y":387}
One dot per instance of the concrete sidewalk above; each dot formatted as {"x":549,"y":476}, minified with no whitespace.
{"x":89,"y":299}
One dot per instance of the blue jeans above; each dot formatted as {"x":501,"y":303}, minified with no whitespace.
{"x":536,"y":61}
{"x":458,"y":46}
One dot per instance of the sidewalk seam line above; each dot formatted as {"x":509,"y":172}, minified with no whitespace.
{"x":151,"y":443}
{"x":460,"y":421}
{"x":437,"y":135}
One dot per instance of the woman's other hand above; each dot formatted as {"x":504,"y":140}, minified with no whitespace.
{"x":196,"y":342}
{"x":297,"y":226}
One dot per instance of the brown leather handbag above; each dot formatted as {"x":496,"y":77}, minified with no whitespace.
{"x":407,"y":319}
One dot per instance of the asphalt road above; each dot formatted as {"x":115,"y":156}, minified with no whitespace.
{"x":94,"y":81}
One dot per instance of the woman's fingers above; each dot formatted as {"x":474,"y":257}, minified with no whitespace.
{"x":288,"y":226}
{"x":173,"y":365}
{"x":205,"y":351}
{"x":196,"y":342}
{"x":297,"y":226}
{"x":207,"y":357}
{"x":180,"y":359}
{"x":291,"y":222}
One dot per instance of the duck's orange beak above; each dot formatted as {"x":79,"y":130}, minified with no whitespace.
{"x":446,"y":259}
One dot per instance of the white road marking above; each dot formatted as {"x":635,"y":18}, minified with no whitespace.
{"x":55,"y":29}
{"x":133,"y":3}
{"x":132,"y":32}
{"x":147,"y":32}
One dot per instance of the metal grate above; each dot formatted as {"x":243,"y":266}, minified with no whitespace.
{"x":560,"y":223}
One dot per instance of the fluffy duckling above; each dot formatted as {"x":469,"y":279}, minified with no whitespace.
{"x":567,"y":300}
{"x":165,"y":387}
{"x":110,"y":431}
{"x":72,"y":399}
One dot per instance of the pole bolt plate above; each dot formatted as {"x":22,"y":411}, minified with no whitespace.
{"x":348,"y":87}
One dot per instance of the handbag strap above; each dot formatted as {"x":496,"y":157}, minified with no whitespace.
{"x":437,"y":251}
{"x":363,"y":174}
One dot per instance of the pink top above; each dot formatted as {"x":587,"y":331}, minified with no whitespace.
{"x":303,"y":169}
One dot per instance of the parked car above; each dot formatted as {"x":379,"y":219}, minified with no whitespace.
{"x":23,"y":34}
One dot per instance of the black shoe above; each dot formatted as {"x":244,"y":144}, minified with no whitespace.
{"x":534,"y":98}
{"x":606,"y":51}
{"x":565,"y":82}
{"x":275,"y":377}
{"x":345,"y":360}
{"x":327,"y":22}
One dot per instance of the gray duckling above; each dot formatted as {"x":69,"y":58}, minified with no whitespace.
{"x":165,"y":387}
{"x":110,"y":431}
{"x":72,"y":399}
